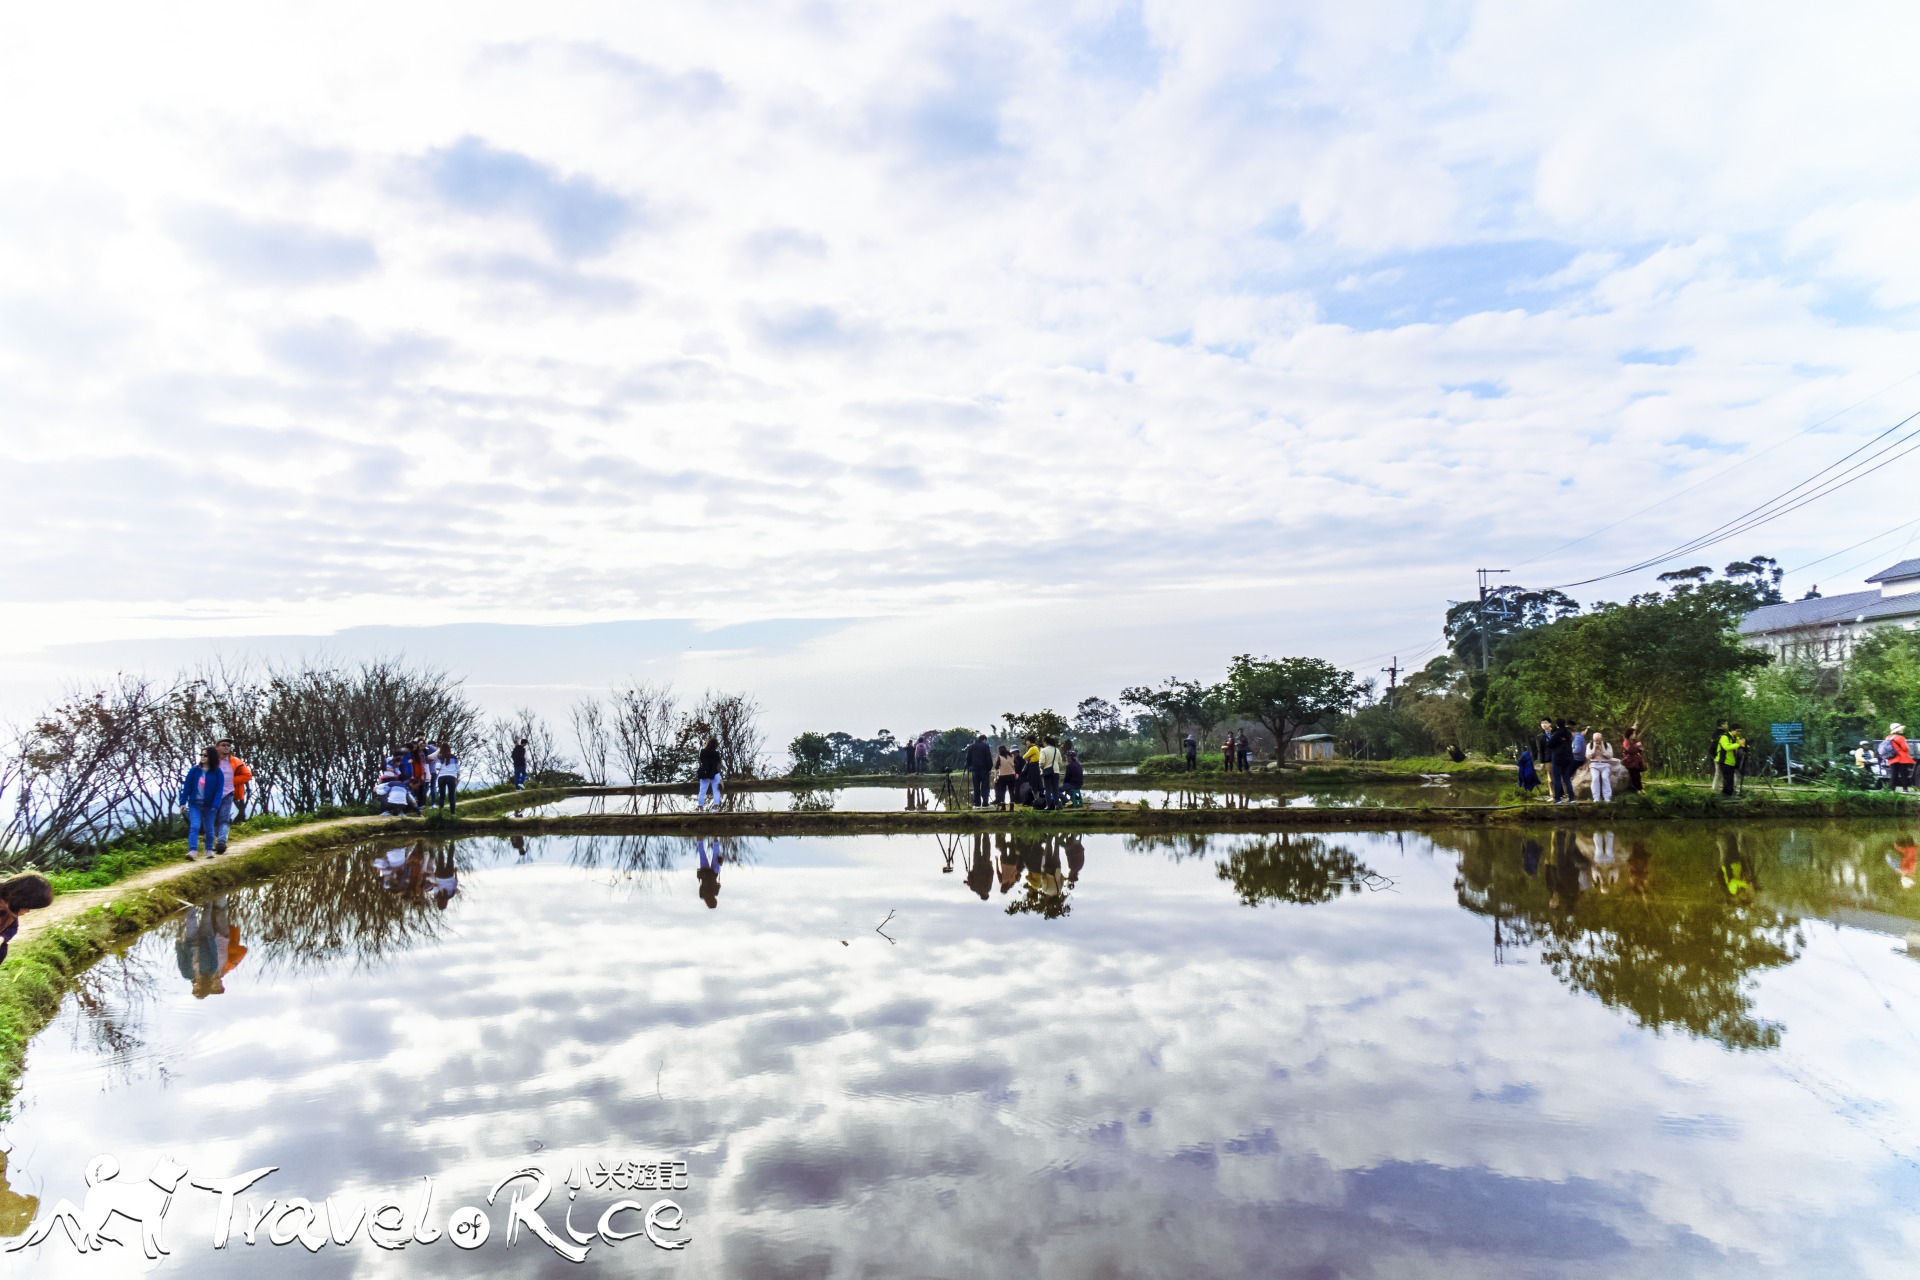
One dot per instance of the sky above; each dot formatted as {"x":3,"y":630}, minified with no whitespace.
{"x":907,"y":364}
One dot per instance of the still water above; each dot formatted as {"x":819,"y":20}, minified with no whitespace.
{"x":1666,"y":1051}
{"x":939,"y":798}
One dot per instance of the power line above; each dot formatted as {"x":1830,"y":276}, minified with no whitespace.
{"x":1884,"y":533}
{"x":1785,"y":502}
{"x":1681,"y":493}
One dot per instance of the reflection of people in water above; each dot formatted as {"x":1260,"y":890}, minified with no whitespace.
{"x":392,"y":867}
{"x":709,"y":873}
{"x":519,"y":844}
{"x":1076,"y":850}
{"x":980,"y":866}
{"x":1046,"y":888}
{"x":1599,"y":849}
{"x":1905,"y":854}
{"x":1009,"y":863}
{"x":1563,"y":872}
{"x":208,"y":948}
{"x":1639,"y":861}
{"x":1737,"y":873}
{"x":919,"y":800}
{"x":446,"y":878}
{"x":1530,"y":856}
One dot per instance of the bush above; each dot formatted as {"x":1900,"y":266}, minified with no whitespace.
{"x":1162,"y":766}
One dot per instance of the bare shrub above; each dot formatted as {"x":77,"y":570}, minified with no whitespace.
{"x":592,"y":736}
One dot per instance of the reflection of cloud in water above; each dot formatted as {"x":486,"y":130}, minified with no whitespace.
{"x":1164,"y":1082}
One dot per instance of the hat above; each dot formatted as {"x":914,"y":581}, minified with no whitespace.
{"x":1896,"y":728}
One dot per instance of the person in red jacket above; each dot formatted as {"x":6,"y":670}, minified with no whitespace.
{"x":235,"y":773}
{"x":1902,"y":758}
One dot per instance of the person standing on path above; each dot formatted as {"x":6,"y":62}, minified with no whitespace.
{"x":1246,"y":752}
{"x":520,"y":765}
{"x":710,"y":774}
{"x":1052,"y":764}
{"x":1579,"y":749}
{"x":1227,"y":754}
{"x":1600,"y":763}
{"x":1633,"y":755}
{"x":238,"y":777}
{"x":979,"y":768}
{"x":1902,"y":758}
{"x":1074,"y":778}
{"x":446,"y":782}
{"x":1560,"y":762}
{"x":1006,"y":773}
{"x":1727,"y":757}
{"x":202,"y":794}
{"x":1192,"y":749}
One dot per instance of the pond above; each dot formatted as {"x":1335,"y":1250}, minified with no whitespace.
{"x":937,"y":798}
{"x":1667,"y":1050}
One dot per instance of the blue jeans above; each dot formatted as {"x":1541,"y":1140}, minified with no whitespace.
{"x":202,"y":822}
{"x":519,"y":777}
{"x":223,"y":819}
{"x":709,"y":786}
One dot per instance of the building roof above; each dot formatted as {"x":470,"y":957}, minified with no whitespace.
{"x":1313,"y":737}
{"x":1854,"y":606}
{"x":1905,"y":569}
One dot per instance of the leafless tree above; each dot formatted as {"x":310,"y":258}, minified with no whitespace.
{"x":543,"y":756}
{"x":591,"y":735}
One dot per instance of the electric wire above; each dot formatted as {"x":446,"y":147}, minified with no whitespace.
{"x":1681,"y":493}
{"x":1785,"y":502}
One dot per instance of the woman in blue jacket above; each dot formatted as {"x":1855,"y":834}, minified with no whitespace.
{"x":200,"y":797}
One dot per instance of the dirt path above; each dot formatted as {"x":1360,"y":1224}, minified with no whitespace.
{"x":69,"y":906}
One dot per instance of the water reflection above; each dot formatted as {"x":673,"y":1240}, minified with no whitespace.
{"x":1674,"y":942}
{"x":1298,"y":869}
{"x":209,"y":947}
{"x":1155,"y":1055}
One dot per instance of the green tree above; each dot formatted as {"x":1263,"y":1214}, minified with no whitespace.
{"x":812,"y":754}
{"x":1176,"y":706}
{"x":1287,"y":695}
{"x":1670,"y":664}
{"x":1038,"y":725}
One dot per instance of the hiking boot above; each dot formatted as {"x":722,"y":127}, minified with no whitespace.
{"x":221,"y":847}
{"x":192,"y":856}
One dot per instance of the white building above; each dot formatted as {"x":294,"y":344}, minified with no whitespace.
{"x":1824,"y":629}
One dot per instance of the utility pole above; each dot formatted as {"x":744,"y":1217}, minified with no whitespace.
{"x":1393,"y":675}
{"x":1480,"y":612}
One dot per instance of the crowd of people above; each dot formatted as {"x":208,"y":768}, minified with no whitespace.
{"x":1236,"y":753}
{"x":1567,"y":750}
{"x":426,"y":775}
{"x":1044,"y":773}
{"x":1890,"y":759}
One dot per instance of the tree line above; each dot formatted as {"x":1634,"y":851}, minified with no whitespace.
{"x":104,"y":763}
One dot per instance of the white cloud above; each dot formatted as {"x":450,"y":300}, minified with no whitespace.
{"x":497,"y":317}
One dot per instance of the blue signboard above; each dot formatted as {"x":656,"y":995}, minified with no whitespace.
{"x":1789,"y":732}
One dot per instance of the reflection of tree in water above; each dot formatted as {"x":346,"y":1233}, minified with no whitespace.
{"x":110,"y":1000}
{"x":1666,"y":944}
{"x":650,"y":852}
{"x":1179,"y":846}
{"x":807,"y":800}
{"x":338,"y":908}
{"x":1290,"y":868}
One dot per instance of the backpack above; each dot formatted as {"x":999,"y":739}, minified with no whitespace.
{"x":1885,"y":750}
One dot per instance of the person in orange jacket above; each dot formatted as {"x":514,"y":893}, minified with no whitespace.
{"x":233,"y":806}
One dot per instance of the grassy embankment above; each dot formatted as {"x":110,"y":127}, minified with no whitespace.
{"x":43,"y":963}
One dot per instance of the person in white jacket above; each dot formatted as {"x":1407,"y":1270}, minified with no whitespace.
{"x":1600,"y":762}
{"x":446,"y":776}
